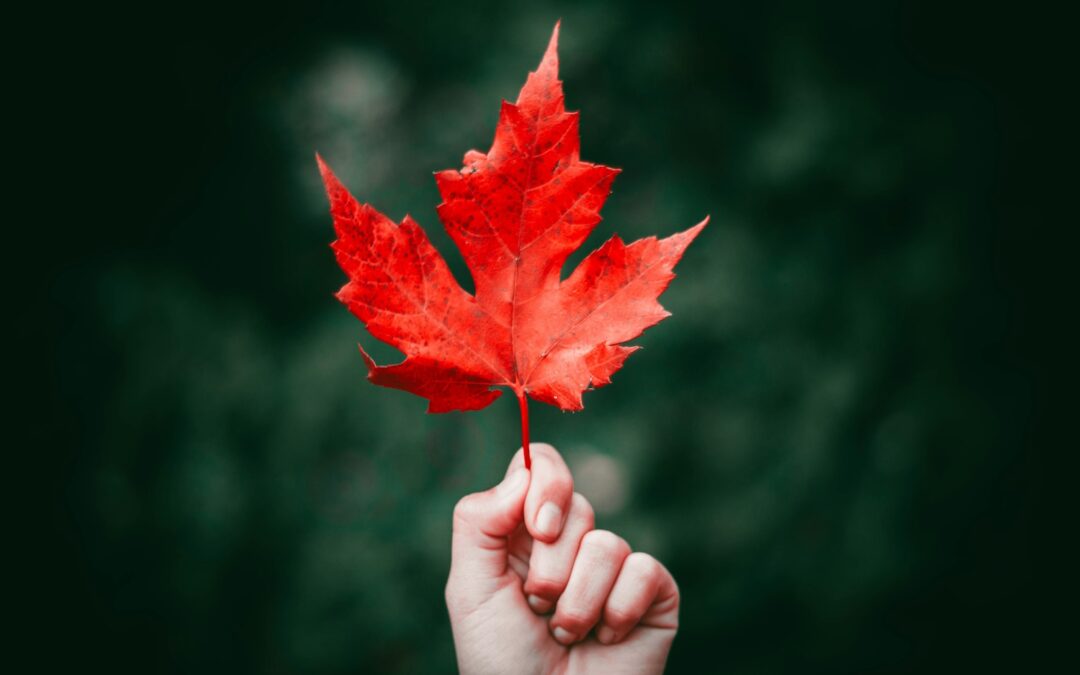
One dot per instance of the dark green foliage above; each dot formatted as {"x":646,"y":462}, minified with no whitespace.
{"x":825,"y":443}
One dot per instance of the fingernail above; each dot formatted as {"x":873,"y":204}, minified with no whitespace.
{"x":538,"y":604}
{"x":605,"y":635}
{"x":549,"y":519}
{"x":564,"y":636}
{"x":514,"y":481}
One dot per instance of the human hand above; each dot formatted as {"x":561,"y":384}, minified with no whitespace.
{"x":534,"y":591}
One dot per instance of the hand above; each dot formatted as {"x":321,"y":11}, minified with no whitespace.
{"x":533,"y":588}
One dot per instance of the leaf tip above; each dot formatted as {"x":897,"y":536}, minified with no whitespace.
{"x":329,"y":179}
{"x":551,"y":54}
{"x":693,"y":231}
{"x":676,"y":244}
{"x":372,"y":367}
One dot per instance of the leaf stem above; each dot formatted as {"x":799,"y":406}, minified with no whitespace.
{"x":523,"y":403}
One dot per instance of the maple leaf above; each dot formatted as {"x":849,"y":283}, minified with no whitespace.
{"x":516,"y":213}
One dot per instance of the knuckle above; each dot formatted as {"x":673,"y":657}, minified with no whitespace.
{"x":664,"y":573}
{"x":606,"y":541}
{"x":464,"y":511}
{"x":643,"y":564}
{"x":461,"y":509}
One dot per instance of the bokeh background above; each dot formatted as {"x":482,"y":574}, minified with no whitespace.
{"x":829,"y":443}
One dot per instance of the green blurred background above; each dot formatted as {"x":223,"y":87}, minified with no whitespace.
{"x":828,"y":443}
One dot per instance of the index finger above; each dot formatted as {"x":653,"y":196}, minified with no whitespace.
{"x":550,"y":491}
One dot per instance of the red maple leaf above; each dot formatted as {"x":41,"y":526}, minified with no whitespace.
{"x":516,"y":213}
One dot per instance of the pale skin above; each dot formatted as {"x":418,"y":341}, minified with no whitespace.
{"x":535,"y":588}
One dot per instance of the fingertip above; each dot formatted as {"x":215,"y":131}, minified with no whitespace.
{"x":563,"y":636}
{"x":513,"y":491}
{"x":551,"y":490}
{"x":549,"y":520}
{"x":544,"y":449}
{"x":517,"y":461}
{"x":540,"y":605}
{"x":606,"y":635}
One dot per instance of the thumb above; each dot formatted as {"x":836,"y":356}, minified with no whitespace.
{"x":482,"y":522}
